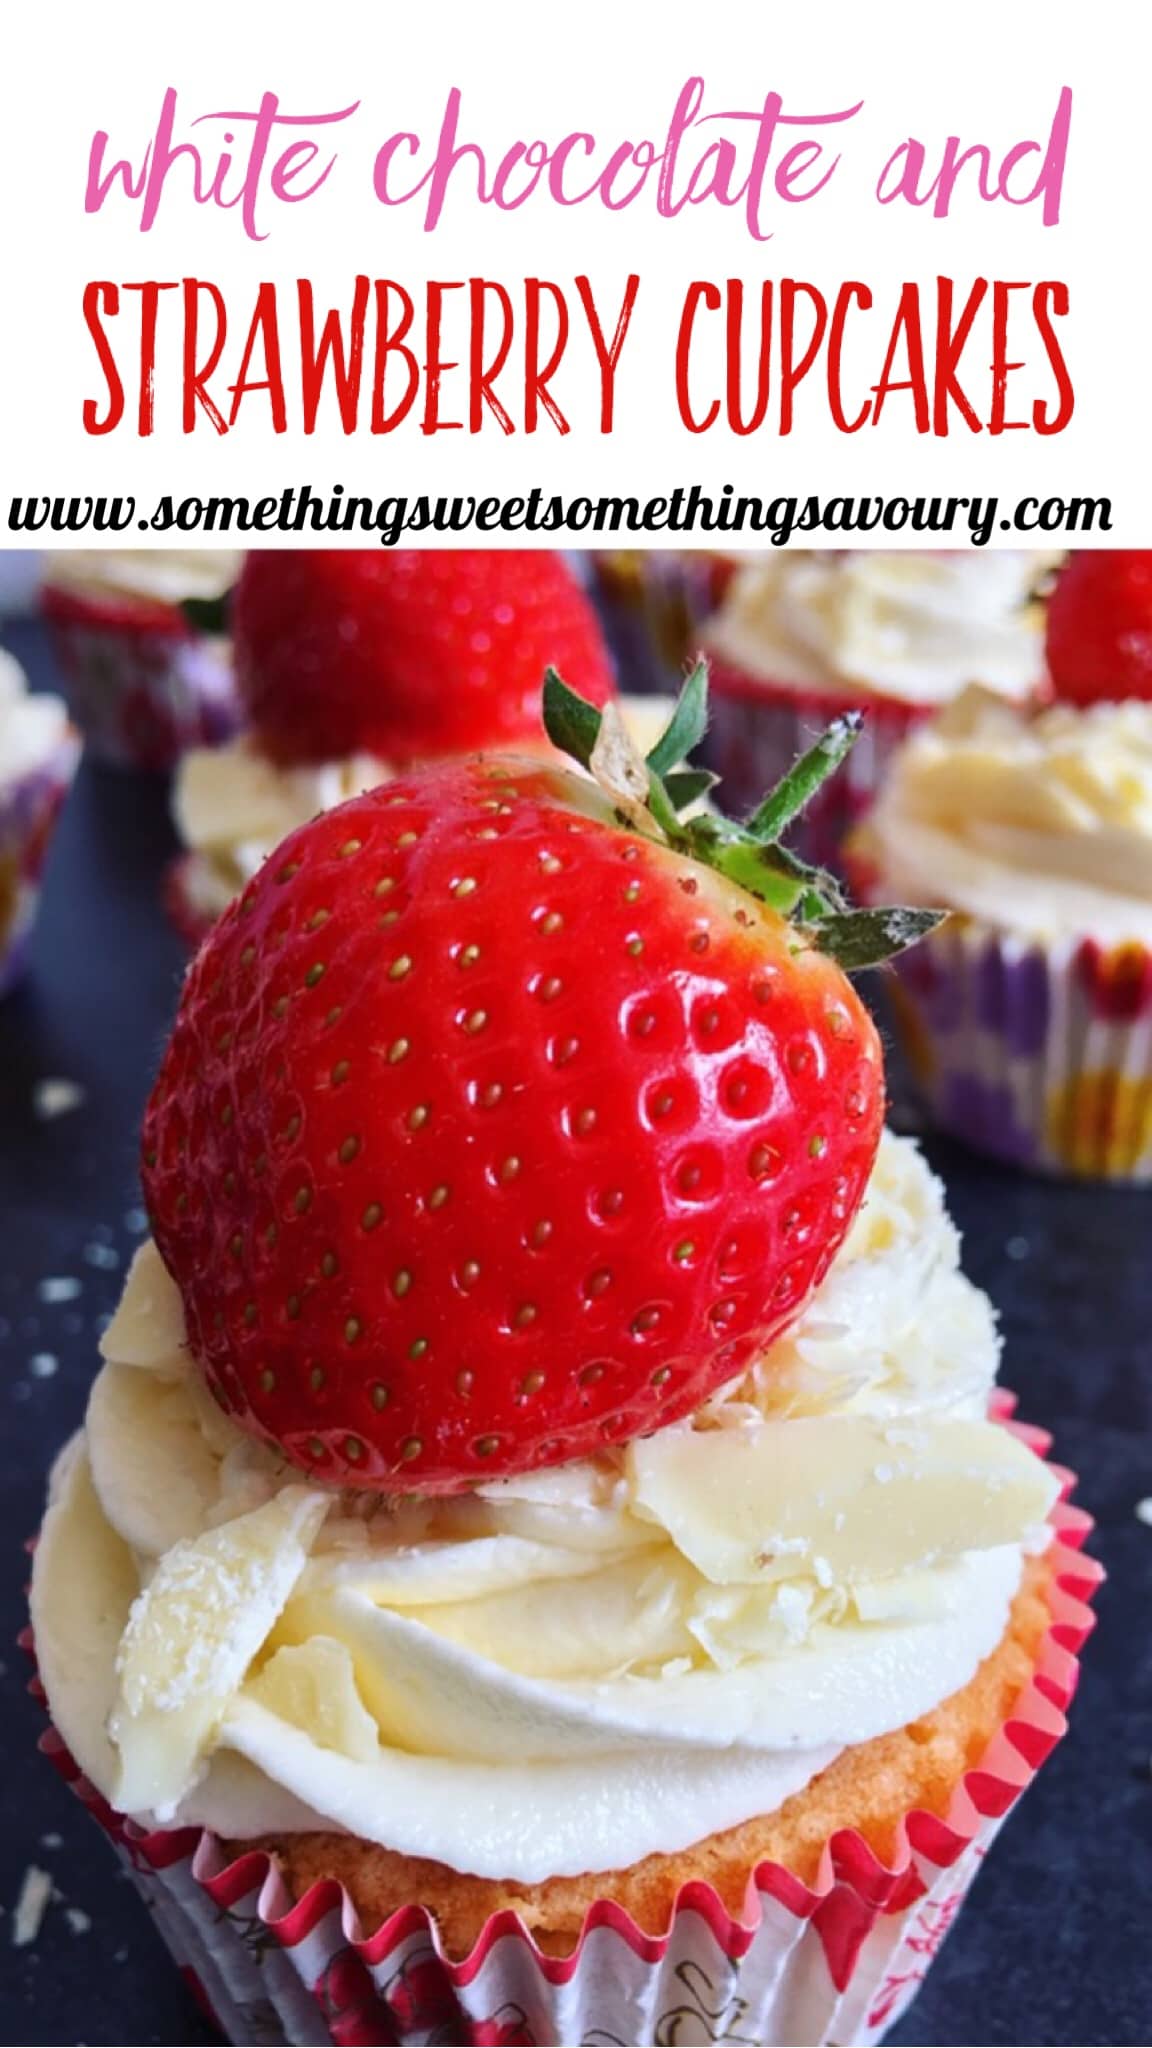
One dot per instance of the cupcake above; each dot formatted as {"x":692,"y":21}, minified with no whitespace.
{"x":538,"y":1565}
{"x":38,"y":754}
{"x":352,"y":664}
{"x":654,"y":602}
{"x":1027,"y":1017}
{"x":143,"y":652}
{"x":802,"y":637}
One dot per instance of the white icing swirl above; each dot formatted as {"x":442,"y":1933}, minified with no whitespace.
{"x":33,"y":729}
{"x":917,"y":627}
{"x":232,"y":807}
{"x":566,"y":1671}
{"x":1041,"y":826}
{"x":166,"y":575}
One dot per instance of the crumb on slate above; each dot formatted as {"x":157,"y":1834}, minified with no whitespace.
{"x":31,"y":1906}
{"x":55,"y":1097}
{"x":103,"y":1255}
{"x":60,"y":1287}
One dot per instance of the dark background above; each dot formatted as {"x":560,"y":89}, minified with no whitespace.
{"x":1055,"y":1945}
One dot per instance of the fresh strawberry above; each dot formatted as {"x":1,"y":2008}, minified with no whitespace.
{"x":1100,"y":626}
{"x":500,"y":1121}
{"x":407,"y":653}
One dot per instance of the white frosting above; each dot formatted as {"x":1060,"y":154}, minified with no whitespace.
{"x":1040,"y":826}
{"x":917,"y":627}
{"x":168,"y":575}
{"x":32,"y":729}
{"x":566,"y":1671}
{"x":232,"y":806}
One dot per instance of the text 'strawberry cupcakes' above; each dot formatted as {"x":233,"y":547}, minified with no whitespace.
{"x":539,"y":1564}
{"x":803,"y":637}
{"x":1028,"y":1015}
{"x":141,"y":640}
{"x":654,"y":602}
{"x":354,"y":662}
{"x":38,"y":755}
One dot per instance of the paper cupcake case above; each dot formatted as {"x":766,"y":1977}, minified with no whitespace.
{"x":29,"y":807}
{"x":835,"y":1962}
{"x":653,"y":605}
{"x":142,"y":685}
{"x":757,"y":729}
{"x":1038,"y":1053}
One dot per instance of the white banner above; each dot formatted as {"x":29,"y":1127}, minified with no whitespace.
{"x":274,"y":269}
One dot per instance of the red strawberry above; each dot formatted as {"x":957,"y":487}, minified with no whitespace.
{"x":491,"y":1132}
{"x":407,"y":653}
{"x":1100,"y":626}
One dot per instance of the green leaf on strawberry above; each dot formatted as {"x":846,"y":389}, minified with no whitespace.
{"x":750,"y":854}
{"x":209,"y":615}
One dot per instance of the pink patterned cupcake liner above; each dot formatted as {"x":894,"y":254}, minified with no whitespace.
{"x":757,"y":729}
{"x":142,"y":684}
{"x":838,"y":1961}
{"x":1039,"y":1053}
{"x":653,"y":604}
{"x":29,"y":807}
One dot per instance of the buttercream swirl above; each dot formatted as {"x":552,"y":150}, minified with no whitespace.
{"x":164,"y":575}
{"x":1040,"y":825}
{"x":917,"y":627}
{"x":33,"y":729}
{"x":561,"y":1672}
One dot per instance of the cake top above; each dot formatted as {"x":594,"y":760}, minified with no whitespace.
{"x":912,"y":626}
{"x":563,"y":1669}
{"x":171,"y":576}
{"x":1040,"y":823}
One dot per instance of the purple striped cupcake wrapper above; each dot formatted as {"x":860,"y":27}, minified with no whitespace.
{"x":1039,"y":1053}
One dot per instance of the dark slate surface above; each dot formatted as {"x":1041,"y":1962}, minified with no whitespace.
{"x":1054,"y":1946}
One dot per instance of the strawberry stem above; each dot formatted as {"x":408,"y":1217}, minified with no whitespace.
{"x":750,"y":854}
{"x":784,"y":803}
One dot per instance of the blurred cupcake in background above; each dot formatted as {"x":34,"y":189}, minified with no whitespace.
{"x":654,"y":602}
{"x":141,"y":639}
{"x":38,"y":755}
{"x":353,"y":663}
{"x":1027,"y":1016}
{"x":803,"y":636}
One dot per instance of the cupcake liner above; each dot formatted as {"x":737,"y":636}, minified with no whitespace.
{"x":1038,"y":1053}
{"x":29,"y":807}
{"x":653,"y":605}
{"x":836,"y":1961}
{"x":142,"y":684}
{"x":757,"y":729}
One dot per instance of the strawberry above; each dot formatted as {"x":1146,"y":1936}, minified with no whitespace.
{"x":1100,"y":627}
{"x":507,"y":1115}
{"x":406,"y":653}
